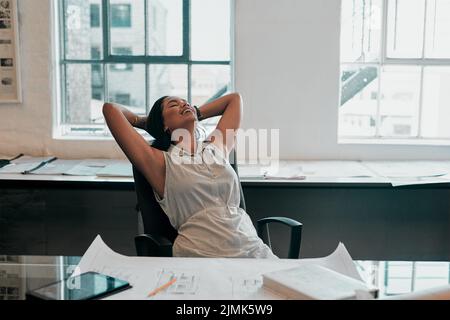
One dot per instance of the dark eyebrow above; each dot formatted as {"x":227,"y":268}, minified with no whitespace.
{"x":175,"y":100}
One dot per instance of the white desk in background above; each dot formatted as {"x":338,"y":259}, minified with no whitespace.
{"x":408,"y":223}
{"x":397,"y":173}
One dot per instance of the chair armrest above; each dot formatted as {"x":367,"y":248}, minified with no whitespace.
{"x":296,"y":233}
{"x":148,"y":245}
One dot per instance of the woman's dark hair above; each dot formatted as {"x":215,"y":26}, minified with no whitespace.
{"x":155,"y":126}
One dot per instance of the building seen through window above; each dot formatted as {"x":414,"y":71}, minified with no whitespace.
{"x":395,"y":69}
{"x":134,"y":58}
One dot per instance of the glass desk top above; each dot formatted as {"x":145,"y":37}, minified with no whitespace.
{"x":19,"y":274}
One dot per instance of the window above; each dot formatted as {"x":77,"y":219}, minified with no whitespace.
{"x":142,"y":50}
{"x":123,"y":98}
{"x":404,"y":276}
{"x":395,"y":70}
{"x":122,"y":66}
{"x":121,"y":15}
{"x":95,"y":15}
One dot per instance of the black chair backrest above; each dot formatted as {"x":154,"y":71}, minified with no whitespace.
{"x":155,"y":221}
{"x":233,"y":162}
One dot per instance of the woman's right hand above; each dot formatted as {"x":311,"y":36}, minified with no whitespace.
{"x":140,"y":122}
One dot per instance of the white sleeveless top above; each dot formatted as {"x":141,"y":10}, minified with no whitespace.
{"x":201,"y":199}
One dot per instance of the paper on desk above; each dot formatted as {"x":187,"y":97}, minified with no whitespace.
{"x":339,"y":261}
{"x":404,"y":173}
{"x":18,"y":168}
{"x":298,"y":170}
{"x":29,"y":159}
{"x":293,"y":171}
{"x":89,"y":167}
{"x":100,"y":258}
{"x":59,"y":166}
{"x":335,"y":169}
{"x":120,"y":169}
{"x":409,"y":169}
{"x":144,"y":274}
{"x":252,"y":171}
{"x":397,"y":182}
{"x":219,"y":278}
{"x":23,"y":163}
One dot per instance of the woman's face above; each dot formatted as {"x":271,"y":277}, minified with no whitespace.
{"x":178,"y":113}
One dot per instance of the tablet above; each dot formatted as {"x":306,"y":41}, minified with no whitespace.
{"x":86,"y":286}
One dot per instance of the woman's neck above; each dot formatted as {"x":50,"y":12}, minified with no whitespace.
{"x":188,"y":143}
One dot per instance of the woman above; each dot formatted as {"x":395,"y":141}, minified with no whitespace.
{"x":192,"y":180}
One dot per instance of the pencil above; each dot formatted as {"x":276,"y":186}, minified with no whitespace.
{"x":164,"y":286}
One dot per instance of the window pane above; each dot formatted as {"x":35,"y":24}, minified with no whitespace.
{"x":400,"y":94}
{"x":165,"y":27}
{"x":436,"y":102}
{"x":405,"y":28}
{"x":79,"y":35}
{"x":127,"y":87}
{"x":95,"y":15}
{"x":438,"y":29}
{"x":128,"y":25}
{"x":121,"y":51}
{"x":84,"y":94}
{"x":120,"y":15}
{"x":359,"y":101}
{"x":360,"y":30}
{"x":167,"y":80}
{"x":210,"y":25}
{"x":209,"y":81}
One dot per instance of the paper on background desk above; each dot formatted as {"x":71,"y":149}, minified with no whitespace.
{"x":409,"y":169}
{"x":22,"y":164}
{"x":89,"y":167}
{"x":120,"y":169}
{"x":29,"y":159}
{"x":212,"y":278}
{"x":299,"y":170}
{"x":335,"y":169}
{"x":57,"y":167}
{"x":403,"y":173}
{"x":398,"y":182}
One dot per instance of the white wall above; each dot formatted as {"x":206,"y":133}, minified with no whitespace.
{"x":287,"y":70}
{"x":27,"y":127}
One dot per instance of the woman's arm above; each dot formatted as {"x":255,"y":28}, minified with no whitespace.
{"x":135,"y":120}
{"x":148,"y":160}
{"x":230,"y":108}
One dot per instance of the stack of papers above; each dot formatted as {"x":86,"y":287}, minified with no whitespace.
{"x":314,"y":282}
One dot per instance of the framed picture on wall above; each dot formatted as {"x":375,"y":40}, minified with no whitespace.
{"x":10,"y":89}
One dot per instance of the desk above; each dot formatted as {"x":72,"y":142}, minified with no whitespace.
{"x":21,"y":273}
{"x":54,"y":215}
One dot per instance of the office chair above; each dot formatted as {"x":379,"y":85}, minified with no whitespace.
{"x":159,"y":234}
